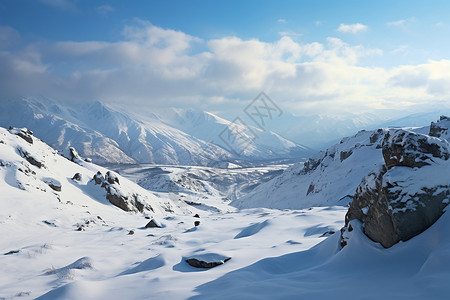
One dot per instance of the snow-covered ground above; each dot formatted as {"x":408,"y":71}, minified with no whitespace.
{"x":148,"y":264}
{"x":73,"y":243}
{"x":205,"y":187}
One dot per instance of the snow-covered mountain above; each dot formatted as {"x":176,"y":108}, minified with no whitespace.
{"x":330,"y":177}
{"x":31,"y":169}
{"x":110,"y":134}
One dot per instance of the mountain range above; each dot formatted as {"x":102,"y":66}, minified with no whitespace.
{"x":114,"y":134}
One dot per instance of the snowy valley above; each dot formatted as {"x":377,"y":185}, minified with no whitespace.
{"x":362,"y":214}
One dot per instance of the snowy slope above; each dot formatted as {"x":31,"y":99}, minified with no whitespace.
{"x":110,"y":134}
{"x":31,"y":169}
{"x":329,"y":177}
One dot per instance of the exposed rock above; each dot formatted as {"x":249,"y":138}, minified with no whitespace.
{"x":310,"y":189}
{"x":77,"y":177}
{"x":31,"y":159}
{"x":196,"y":216}
{"x":118,"y":199}
{"x":116,"y":194}
{"x":394,"y":202}
{"x":345,"y":155}
{"x":12,"y":252}
{"x":437,"y":129}
{"x":24,"y":133}
{"x":74,"y":156}
{"x":196,"y":223}
{"x":310,"y":165}
{"x":153,"y":223}
{"x":375,"y":137}
{"x":207,"y":261}
{"x":409,"y":149}
{"x":98,"y":178}
{"x":49,"y":223}
{"x":111,"y":178}
{"x":53,"y":184}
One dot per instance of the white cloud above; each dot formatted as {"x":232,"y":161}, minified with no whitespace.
{"x":352,"y":28}
{"x":157,"y":66}
{"x":396,"y":23}
{"x":281,"y":21}
{"x":104,"y":9}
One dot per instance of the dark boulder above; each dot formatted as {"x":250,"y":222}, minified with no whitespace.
{"x":409,"y":149}
{"x":207,"y":263}
{"x":98,"y":178}
{"x":345,"y":154}
{"x":24,"y":133}
{"x":111,"y":178}
{"x":153,"y":224}
{"x":30,"y":158}
{"x":395,"y":202}
{"x":77,"y":177}
{"x":54,"y":186}
{"x":74,"y":156}
{"x":440,"y":128}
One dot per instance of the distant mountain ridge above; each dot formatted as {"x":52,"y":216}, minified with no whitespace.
{"x":113,"y":134}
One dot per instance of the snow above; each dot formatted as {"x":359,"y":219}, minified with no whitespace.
{"x":332,"y":182}
{"x":289,"y":250}
{"x":117,"y":134}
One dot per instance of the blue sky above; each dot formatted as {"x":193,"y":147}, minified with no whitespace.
{"x":341,"y":55}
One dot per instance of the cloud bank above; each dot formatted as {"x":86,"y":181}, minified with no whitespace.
{"x":155,"y":66}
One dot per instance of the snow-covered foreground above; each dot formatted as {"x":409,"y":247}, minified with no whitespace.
{"x":416,"y":269}
{"x":147,"y":264}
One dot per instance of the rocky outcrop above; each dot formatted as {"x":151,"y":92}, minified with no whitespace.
{"x":74,"y":156}
{"x":408,"y":194}
{"x":53,"y":184}
{"x":440,"y":128}
{"x":24,"y":133}
{"x":409,"y":149}
{"x":117,"y":195}
{"x":345,"y":154}
{"x":207,"y":261}
{"x":30,"y":158}
{"x":77,"y":177}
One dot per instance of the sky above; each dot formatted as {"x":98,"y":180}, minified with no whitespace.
{"x":310,"y":57}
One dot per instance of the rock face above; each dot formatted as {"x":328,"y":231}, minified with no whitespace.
{"x":409,"y":149}
{"x":116,"y":194}
{"x":30,"y":158}
{"x":24,"y":133}
{"x":440,"y":128}
{"x":408,"y":194}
